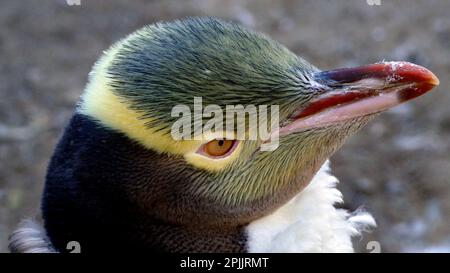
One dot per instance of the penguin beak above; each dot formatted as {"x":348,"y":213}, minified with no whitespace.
{"x":349,"y":93}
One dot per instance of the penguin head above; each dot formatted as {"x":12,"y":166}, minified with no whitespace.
{"x":218,"y":179}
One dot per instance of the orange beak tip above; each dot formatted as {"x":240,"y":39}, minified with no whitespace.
{"x":434,"y":80}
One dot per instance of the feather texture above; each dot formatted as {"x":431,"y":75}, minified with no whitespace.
{"x":29,"y":237}
{"x":310,"y":222}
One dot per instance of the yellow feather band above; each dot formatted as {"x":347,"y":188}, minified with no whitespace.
{"x":112,"y":111}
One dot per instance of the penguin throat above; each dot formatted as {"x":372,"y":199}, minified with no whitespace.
{"x":309,"y":222}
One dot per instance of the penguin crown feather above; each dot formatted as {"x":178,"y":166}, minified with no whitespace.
{"x":168,"y":63}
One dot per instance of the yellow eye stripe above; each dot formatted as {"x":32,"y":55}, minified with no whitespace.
{"x":99,"y":102}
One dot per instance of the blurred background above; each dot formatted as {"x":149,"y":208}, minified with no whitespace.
{"x":398,"y":167}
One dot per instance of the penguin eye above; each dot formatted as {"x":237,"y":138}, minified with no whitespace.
{"x":219,"y":147}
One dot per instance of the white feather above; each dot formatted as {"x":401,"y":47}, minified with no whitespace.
{"x":310,"y":222}
{"x":29,"y":237}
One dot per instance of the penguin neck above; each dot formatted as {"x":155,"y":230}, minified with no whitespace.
{"x":84,"y":201}
{"x":309,"y":222}
{"x":95,"y":191}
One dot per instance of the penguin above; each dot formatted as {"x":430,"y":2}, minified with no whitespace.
{"x":118,"y":179}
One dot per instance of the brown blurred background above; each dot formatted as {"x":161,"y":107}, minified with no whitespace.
{"x":398,"y":167}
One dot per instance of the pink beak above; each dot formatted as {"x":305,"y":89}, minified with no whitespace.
{"x":354,"y":92}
